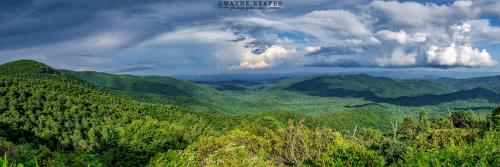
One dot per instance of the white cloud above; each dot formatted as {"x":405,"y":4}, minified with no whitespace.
{"x":459,"y":50}
{"x":428,"y":41}
{"x":402,"y":37}
{"x":454,"y":51}
{"x":256,"y":23}
{"x":311,"y":49}
{"x":206,"y":34}
{"x":484,"y":32}
{"x":411,"y":33}
{"x":328,"y":27}
{"x":339,"y":27}
{"x":271,"y":57}
{"x":418,"y":14}
{"x":106,"y":40}
{"x":229,"y":54}
{"x":462,"y":55}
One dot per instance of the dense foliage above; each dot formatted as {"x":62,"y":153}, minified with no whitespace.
{"x":48,"y":118}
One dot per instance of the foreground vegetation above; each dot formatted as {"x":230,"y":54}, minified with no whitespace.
{"x":49,"y":118}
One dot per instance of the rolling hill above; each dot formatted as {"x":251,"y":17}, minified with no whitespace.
{"x":364,"y":85}
{"x":491,"y":82}
{"x":147,"y":84}
{"x":251,"y":96}
{"x":155,"y":89}
{"x":332,"y":93}
{"x":26,"y":67}
{"x":35,"y":70}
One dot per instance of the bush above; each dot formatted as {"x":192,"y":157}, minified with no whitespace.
{"x":171,"y":158}
{"x":440,"y":138}
{"x":238,"y":148}
{"x":369,"y":134}
{"x":465,"y":119}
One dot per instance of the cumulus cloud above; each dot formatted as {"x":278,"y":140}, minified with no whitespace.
{"x":269,"y":58}
{"x":231,"y":51}
{"x":337,"y":32}
{"x":459,"y":51}
{"x":462,"y":55}
{"x":456,"y":51}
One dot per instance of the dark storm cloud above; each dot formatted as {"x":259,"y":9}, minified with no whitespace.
{"x":87,"y":55}
{"x":261,"y":43}
{"x":39,"y":22}
{"x":136,"y":67}
{"x":29,"y":23}
{"x":336,"y":50}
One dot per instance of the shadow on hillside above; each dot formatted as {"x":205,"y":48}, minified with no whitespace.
{"x":473,"y":108}
{"x":17,"y":135}
{"x":419,"y":100}
{"x":158,"y":88}
{"x":364,"y":105}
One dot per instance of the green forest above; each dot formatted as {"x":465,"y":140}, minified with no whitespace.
{"x":51,"y":117}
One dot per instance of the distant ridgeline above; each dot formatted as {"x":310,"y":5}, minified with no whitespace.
{"x":52,"y":117}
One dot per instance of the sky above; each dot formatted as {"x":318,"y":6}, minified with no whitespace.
{"x":190,"y":37}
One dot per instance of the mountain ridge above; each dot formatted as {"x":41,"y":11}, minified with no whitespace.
{"x":162,"y":89}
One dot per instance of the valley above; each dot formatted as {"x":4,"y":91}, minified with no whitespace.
{"x":60,"y":117}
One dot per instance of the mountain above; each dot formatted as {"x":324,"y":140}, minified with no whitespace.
{"x":420,"y":100}
{"x":26,"y":67}
{"x":156,"y":89}
{"x":44,"y":115}
{"x":379,"y":86}
{"x":264,"y":77}
{"x":397,"y":92}
{"x":36,"y":70}
{"x":491,"y":82}
{"x":147,"y":84}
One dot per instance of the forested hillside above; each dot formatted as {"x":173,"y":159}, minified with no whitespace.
{"x":144,"y":88}
{"x":379,"y":86}
{"x":53,"y":118}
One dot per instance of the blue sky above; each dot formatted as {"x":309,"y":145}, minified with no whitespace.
{"x":170,"y":37}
